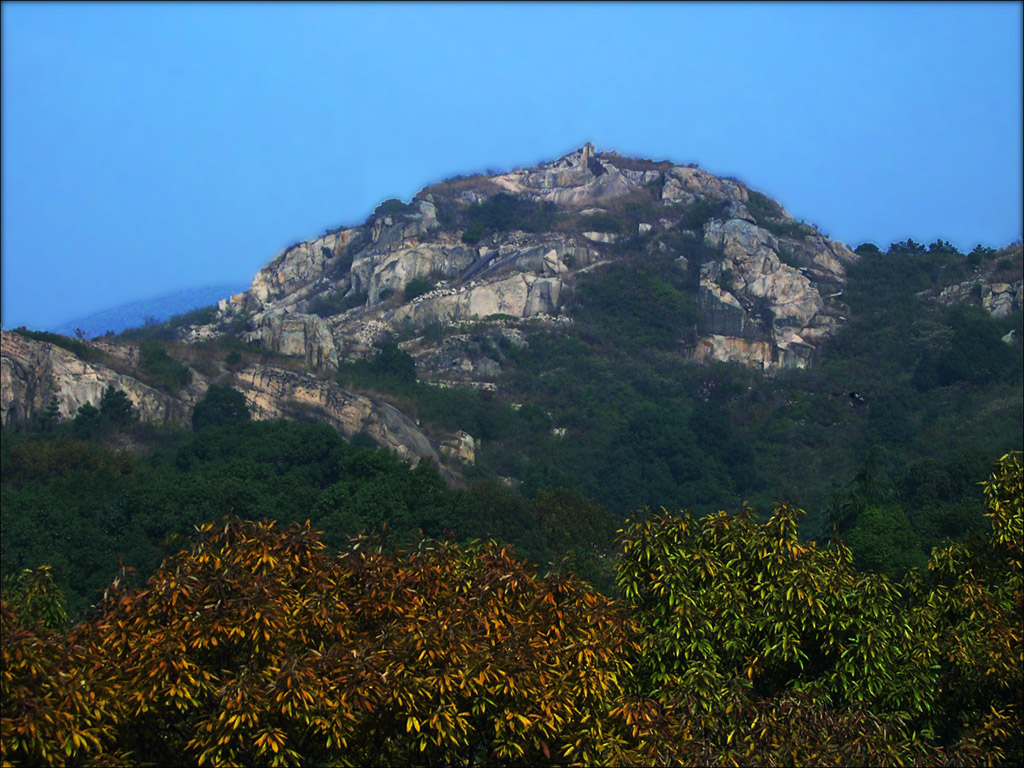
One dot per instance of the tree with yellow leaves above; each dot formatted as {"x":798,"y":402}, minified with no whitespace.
{"x":255,"y":646}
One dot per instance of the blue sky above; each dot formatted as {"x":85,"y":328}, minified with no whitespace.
{"x":151,"y":147}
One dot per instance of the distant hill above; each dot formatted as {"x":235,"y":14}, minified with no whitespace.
{"x":135,"y":314}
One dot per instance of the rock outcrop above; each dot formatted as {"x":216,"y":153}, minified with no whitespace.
{"x":758,"y":309}
{"x":33,"y":372}
{"x":998,"y":298}
{"x":769,"y":288}
{"x":580,"y":178}
{"x":995,"y":286}
{"x":275,"y":393}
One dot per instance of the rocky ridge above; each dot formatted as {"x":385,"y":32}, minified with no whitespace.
{"x":990,"y":288}
{"x":33,"y":372}
{"x":466,"y":272}
{"x":769,"y":288}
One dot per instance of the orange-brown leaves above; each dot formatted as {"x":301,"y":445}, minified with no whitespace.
{"x":482,"y":657}
{"x":253,"y":646}
{"x":57,"y":703}
{"x":735,"y":644}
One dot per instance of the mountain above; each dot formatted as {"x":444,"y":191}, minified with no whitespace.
{"x":510,"y":251}
{"x":138,"y":313}
{"x":643,"y":332}
{"x":507,"y":377}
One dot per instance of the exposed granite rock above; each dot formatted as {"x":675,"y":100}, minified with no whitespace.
{"x":1002,"y":299}
{"x":999,"y":299}
{"x":389,"y":232}
{"x":781,"y":291}
{"x":601,"y":237}
{"x":685,"y":184}
{"x":732,"y":349}
{"x":723,"y":314}
{"x":579,"y":178}
{"x":751,"y":294}
{"x":305,"y":336}
{"x":273,"y":393}
{"x":462,"y":448}
{"x":379,"y":274}
{"x":758,"y":273}
{"x":296,"y":267}
{"x":33,"y":372}
{"x":466,"y":357}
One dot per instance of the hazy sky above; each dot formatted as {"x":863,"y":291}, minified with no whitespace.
{"x":150,"y":147}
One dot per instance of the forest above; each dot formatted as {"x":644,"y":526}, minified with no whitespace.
{"x":717,"y":567}
{"x":938,"y":396}
{"x":728,"y":641}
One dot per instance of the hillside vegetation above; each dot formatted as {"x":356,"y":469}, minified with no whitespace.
{"x":730,"y":644}
{"x":605,"y":407}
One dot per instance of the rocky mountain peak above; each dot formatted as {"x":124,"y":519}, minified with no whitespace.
{"x":513,"y":247}
{"x":580,"y":159}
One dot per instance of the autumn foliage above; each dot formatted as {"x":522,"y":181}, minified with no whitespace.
{"x":256,"y":647}
{"x":733,"y":643}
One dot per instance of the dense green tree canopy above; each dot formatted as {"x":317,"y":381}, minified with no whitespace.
{"x":219,"y":407}
{"x":733,"y":644}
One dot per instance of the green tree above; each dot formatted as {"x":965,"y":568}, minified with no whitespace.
{"x":738,"y":617}
{"x":865,"y":249}
{"x":390,"y":207}
{"x":116,"y":408}
{"x":967,"y":611}
{"x":883,"y":540}
{"x":871,"y":487}
{"x":503,"y":212}
{"x":51,"y":416}
{"x":220,"y":406}
{"x":168,"y":372}
{"x":88,"y":422}
{"x":906,"y":248}
{"x":394,"y":362}
{"x":35,"y":598}
{"x":417,"y":287}
{"x":942,"y":247}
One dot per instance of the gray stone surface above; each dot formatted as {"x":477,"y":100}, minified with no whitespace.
{"x":33,"y":372}
{"x":784,"y":292}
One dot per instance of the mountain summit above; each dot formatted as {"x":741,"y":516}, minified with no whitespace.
{"x":511,"y":250}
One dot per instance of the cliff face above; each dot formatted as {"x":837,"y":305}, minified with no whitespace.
{"x":769,"y":288}
{"x":274,"y":393}
{"x":33,"y":372}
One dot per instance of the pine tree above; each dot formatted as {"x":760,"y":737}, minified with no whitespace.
{"x":51,"y":416}
{"x":116,"y":408}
